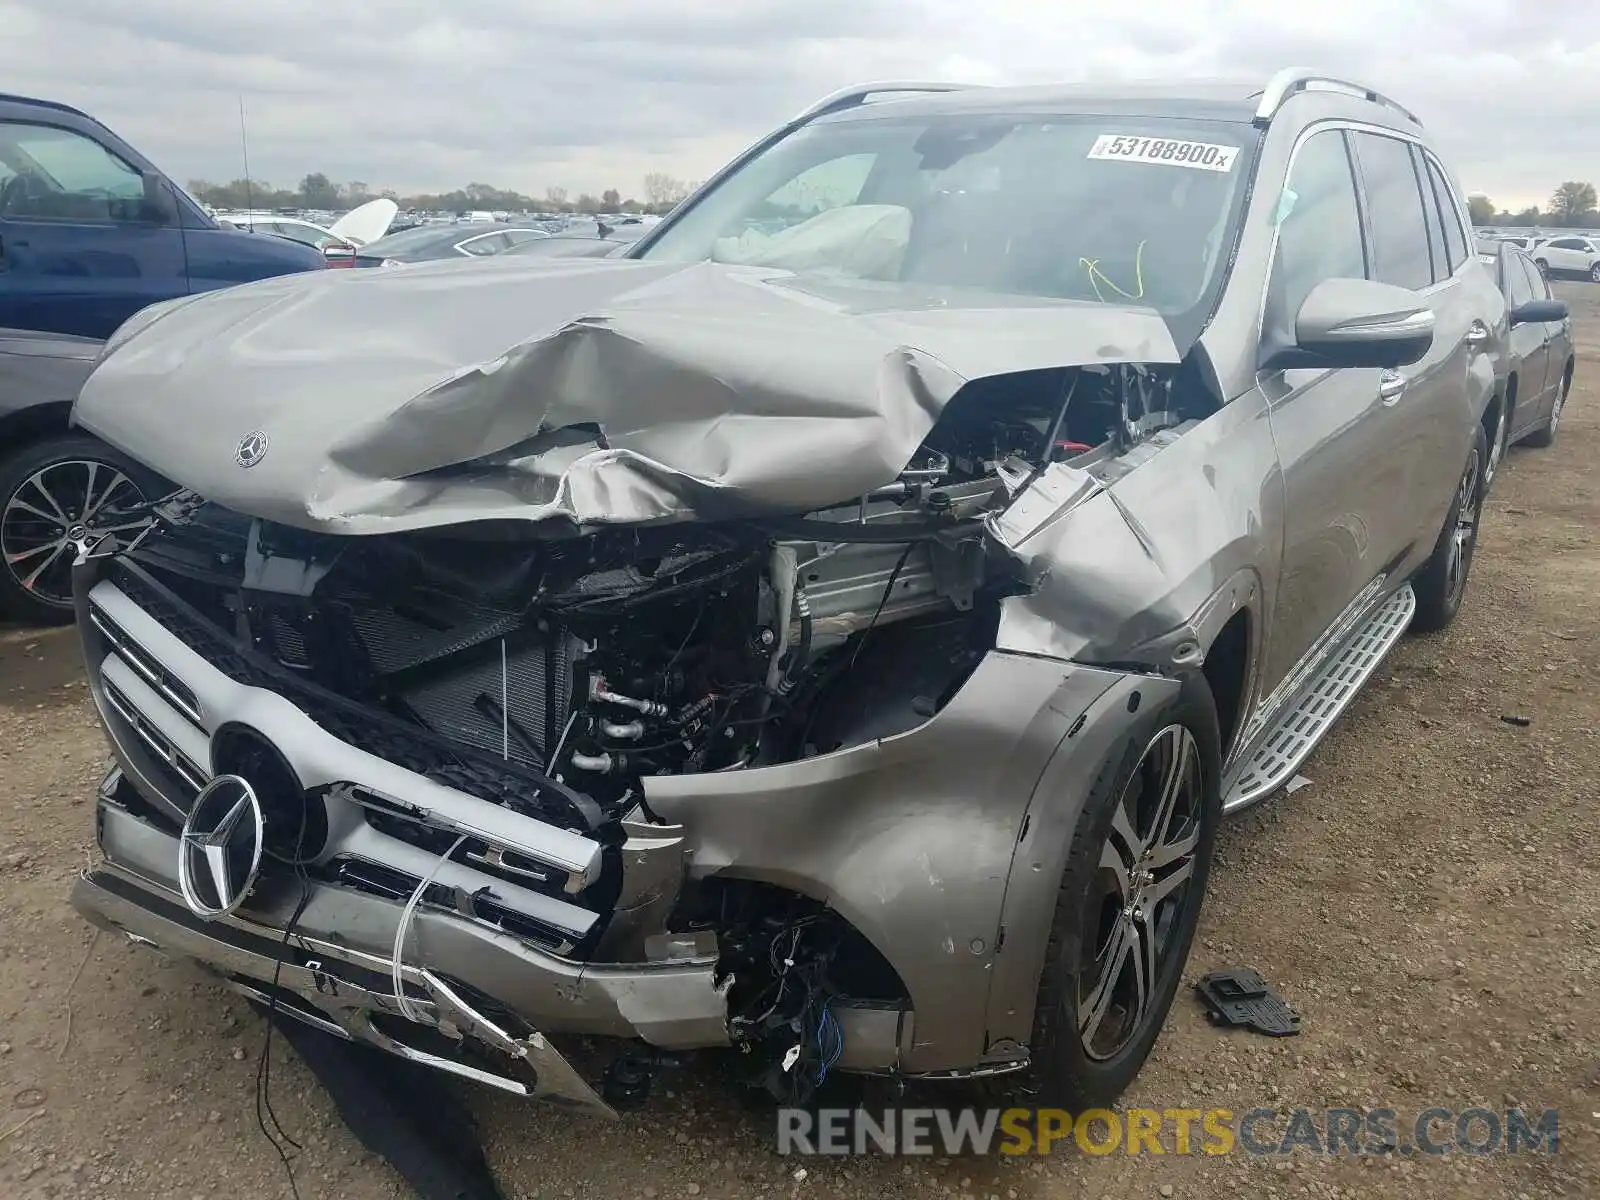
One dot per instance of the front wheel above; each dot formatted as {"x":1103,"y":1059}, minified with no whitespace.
{"x":1129,"y":903}
{"x":1544,"y":267}
{"x":55,"y":496}
{"x":1442,"y":582}
{"x":1594,"y":273}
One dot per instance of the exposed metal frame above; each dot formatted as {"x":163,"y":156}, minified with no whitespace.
{"x":1293,"y":80}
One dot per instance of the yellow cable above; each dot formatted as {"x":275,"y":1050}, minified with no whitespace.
{"x":1092,"y":267}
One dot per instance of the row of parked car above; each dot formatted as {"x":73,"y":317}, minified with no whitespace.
{"x":370,"y":237}
{"x":1559,"y":256}
{"x":835,"y":629}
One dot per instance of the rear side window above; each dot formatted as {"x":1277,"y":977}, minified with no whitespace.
{"x":1319,"y":234}
{"x":1394,"y":208}
{"x":1455,"y":236}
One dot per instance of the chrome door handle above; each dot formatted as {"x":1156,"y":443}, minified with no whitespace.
{"x":1391,"y":386}
{"x":1477,"y":335}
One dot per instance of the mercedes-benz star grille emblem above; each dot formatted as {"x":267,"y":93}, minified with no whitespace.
{"x":252,"y":449}
{"x":219,"y":853}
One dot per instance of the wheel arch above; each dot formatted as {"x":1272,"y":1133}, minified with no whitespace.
{"x":24,"y":425}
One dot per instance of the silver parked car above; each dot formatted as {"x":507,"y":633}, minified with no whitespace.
{"x":835,"y":629}
{"x":1540,"y":358}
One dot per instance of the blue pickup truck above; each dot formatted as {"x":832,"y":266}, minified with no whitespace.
{"x":90,"y":232}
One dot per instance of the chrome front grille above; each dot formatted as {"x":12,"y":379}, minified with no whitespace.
{"x":164,"y":701}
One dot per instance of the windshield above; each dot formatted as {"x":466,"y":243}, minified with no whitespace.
{"x":1111,"y":209}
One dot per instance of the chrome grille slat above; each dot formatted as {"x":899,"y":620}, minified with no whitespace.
{"x":152,"y":737}
{"x":157,"y":676}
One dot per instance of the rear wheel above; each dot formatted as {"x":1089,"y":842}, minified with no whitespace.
{"x":1545,"y":435}
{"x":1442,"y":582}
{"x":1594,"y":273}
{"x":1544,"y":267}
{"x":55,"y":496}
{"x":1129,"y":903}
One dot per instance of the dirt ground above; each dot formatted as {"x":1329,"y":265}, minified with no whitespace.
{"x":1430,"y":904}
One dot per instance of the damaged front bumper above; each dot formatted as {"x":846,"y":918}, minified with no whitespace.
{"x":324,"y":952}
{"x":942,"y":846}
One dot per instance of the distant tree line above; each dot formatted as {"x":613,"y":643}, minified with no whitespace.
{"x":317,"y":191}
{"x":1571,"y":204}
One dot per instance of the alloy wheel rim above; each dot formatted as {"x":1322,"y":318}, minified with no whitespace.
{"x":1466,"y":528}
{"x":1497,"y":449}
{"x":1141,"y":885}
{"x":56,"y":512}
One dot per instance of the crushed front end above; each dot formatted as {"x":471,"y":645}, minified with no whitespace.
{"x":516,"y":786}
{"x":690,"y":706}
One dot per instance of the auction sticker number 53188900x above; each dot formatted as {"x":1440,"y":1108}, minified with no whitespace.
{"x":1170,"y":152}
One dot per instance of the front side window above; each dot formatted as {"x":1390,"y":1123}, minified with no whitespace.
{"x":1518,"y":290}
{"x":1111,"y":210}
{"x":1394,"y":210}
{"x":1538,"y":285}
{"x":1319,"y":229}
{"x":56,"y":175}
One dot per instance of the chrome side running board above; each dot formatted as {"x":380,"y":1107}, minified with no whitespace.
{"x":1306,"y":720}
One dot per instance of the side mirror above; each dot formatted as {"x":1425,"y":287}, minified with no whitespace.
{"x":1536,"y":311}
{"x":160,"y":205}
{"x":1358,"y":323}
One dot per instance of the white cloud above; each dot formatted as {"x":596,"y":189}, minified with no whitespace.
{"x":529,"y":93}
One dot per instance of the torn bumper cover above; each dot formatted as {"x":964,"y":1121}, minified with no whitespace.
{"x":330,"y":965}
{"x":594,"y":392}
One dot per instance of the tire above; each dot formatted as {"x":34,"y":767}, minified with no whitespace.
{"x":1442,"y":583}
{"x":1545,"y":435}
{"x":1594,"y":273}
{"x":36,"y":550}
{"x":1544,"y":267}
{"x":1070,"y":1069}
{"x":1497,"y":434}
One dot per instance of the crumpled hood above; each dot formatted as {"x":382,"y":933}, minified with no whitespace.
{"x":591,"y":390}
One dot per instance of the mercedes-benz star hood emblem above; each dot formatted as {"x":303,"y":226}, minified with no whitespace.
{"x":219,"y":853}
{"x":252,"y":449}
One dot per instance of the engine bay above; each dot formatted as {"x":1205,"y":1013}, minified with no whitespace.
{"x":602,"y":657}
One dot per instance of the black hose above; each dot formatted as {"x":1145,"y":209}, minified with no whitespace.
{"x":802,"y":651}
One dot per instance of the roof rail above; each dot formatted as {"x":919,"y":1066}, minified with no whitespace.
{"x":1292,"y":80}
{"x":850,"y":97}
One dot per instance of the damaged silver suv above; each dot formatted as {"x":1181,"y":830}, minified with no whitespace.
{"x":834,"y":631}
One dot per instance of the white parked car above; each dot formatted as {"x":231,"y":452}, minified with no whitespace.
{"x":1568,"y":256}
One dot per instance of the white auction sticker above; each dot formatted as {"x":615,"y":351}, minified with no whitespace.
{"x":1170,"y":152}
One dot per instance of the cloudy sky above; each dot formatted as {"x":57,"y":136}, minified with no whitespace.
{"x":589,"y":94}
